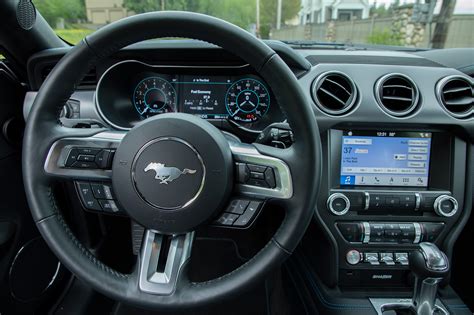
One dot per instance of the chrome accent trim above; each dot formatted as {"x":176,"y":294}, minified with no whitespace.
{"x":330,"y":112}
{"x":247,"y":153}
{"x":382,"y":305}
{"x":146,"y":145}
{"x":439,"y":211}
{"x":97,"y":104}
{"x":57,"y":155}
{"x":439,"y":92}
{"x":335,"y":196}
{"x":417,"y":201}
{"x":353,"y":253}
{"x":163,"y":283}
{"x":417,"y":227}
{"x":367,"y":200}
{"x":366,"y":239}
{"x":435,"y":259}
{"x":400,"y":115}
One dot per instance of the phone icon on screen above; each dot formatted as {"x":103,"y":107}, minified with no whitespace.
{"x":377,"y":179}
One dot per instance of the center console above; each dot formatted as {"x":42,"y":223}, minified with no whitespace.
{"x":386,"y":191}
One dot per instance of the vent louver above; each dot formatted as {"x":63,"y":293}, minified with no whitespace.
{"x":334,"y":93}
{"x":397,"y":94}
{"x":456,"y":95}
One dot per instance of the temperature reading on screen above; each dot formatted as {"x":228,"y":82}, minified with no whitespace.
{"x":385,"y":158}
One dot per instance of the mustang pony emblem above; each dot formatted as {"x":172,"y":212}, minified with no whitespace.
{"x":167,"y":174}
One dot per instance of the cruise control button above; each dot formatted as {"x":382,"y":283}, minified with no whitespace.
{"x":87,"y":196}
{"x":98,"y":191}
{"x":246,"y":218}
{"x":238,"y":206}
{"x":108,"y":192}
{"x":226,"y":219}
{"x":109,"y":206}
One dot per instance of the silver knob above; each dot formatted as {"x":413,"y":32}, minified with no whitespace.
{"x":445,"y":206}
{"x":338,"y":204}
{"x":353,"y":257}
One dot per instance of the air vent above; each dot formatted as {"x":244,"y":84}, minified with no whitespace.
{"x":334,"y":93}
{"x":397,"y":94}
{"x":88,"y":82}
{"x":456,"y":94}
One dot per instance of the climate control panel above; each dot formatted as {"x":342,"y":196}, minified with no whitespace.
{"x":390,"y":232}
{"x":340,"y":202}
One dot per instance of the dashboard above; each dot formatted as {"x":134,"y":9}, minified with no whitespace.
{"x":131,"y":91}
{"x":397,"y":130}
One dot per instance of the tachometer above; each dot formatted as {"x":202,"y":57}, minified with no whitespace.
{"x":247,"y":100}
{"x":154,"y":95}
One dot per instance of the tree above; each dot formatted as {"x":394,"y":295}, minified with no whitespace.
{"x":268,"y":11}
{"x":142,"y":6}
{"x":442,"y":23}
{"x":53,"y":10}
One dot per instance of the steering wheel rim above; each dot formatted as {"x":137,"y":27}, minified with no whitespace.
{"x":43,"y":129}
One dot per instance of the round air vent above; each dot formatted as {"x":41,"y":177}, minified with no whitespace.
{"x":334,"y":93}
{"x":456,"y":94}
{"x":397,"y":94}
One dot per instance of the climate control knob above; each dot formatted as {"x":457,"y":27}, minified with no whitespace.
{"x":338,"y":204}
{"x":446,"y":206}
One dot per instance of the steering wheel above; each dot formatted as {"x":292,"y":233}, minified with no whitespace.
{"x":170,"y":145}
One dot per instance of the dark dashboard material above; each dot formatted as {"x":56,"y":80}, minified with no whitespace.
{"x":415,"y":192}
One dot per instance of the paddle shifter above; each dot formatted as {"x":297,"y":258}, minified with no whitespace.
{"x":430,"y":266}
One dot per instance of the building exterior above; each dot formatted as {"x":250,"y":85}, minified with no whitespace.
{"x":320,"y":11}
{"x":105,"y":11}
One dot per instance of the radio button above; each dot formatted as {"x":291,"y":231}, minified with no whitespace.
{"x":377,"y":201}
{"x":338,"y":204}
{"x":446,"y":206}
{"x":392,"y":201}
{"x":351,"y":231}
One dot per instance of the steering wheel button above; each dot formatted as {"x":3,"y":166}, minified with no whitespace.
{"x":227,"y":219}
{"x":257,"y":175}
{"x":98,"y":191}
{"x":108,"y":192}
{"x":86,"y":158}
{"x":270,"y":177}
{"x":253,"y":206}
{"x":90,"y":151}
{"x":257,"y":168}
{"x":238,"y":206}
{"x":88,"y":165}
{"x":87,"y":196}
{"x":109,"y":206}
{"x":243,"y":172}
{"x":257,"y":182}
{"x":72,"y":157}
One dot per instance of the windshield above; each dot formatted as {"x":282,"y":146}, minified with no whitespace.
{"x":417,"y":24}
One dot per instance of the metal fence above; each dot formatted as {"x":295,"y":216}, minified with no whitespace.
{"x":460,"y":34}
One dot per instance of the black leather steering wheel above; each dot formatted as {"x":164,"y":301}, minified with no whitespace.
{"x":191,"y":139}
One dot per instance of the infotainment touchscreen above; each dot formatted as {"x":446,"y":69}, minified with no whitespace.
{"x":385,"y":158}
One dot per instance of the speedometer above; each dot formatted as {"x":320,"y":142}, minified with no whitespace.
{"x":247,"y":100}
{"x":154,"y":95}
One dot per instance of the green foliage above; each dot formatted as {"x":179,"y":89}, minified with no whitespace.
{"x":69,"y":10}
{"x":268,"y":11}
{"x":383,"y":37}
{"x":73,"y":36}
{"x":239,"y":12}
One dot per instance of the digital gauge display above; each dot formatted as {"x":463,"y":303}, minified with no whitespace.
{"x":244,"y":100}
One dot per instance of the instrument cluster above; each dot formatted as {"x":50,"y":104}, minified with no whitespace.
{"x":131,"y":91}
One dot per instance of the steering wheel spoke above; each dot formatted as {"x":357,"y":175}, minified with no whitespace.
{"x":79,"y":155}
{"x":260,"y":175}
{"x":162,"y":260}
